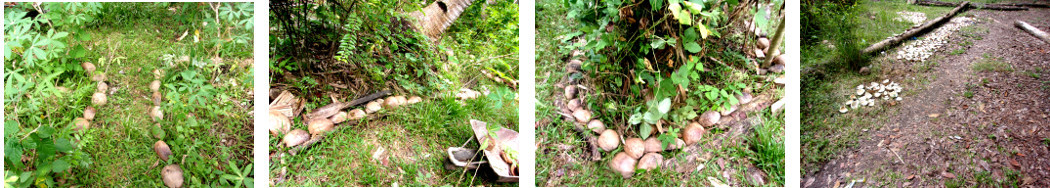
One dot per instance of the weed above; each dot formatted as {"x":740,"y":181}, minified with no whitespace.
{"x":957,"y":51}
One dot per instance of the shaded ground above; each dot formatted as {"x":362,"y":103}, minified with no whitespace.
{"x":968,"y":121}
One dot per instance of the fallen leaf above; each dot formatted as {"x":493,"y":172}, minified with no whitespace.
{"x":935,"y":115}
{"x":948,"y":175}
{"x":1015,"y":163}
{"x":1020,"y":154}
{"x":911,"y":177}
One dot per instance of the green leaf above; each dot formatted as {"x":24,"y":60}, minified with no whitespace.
{"x":44,"y":131}
{"x":693,"y":7}
{"x":656,"y":4}
{"x":78,"y":51}
{"x":665,"y":105}
{"x":645,"y":130}
{"x":63,"y":145}
{"x":59,"y":165}
{"x":10,"y":128}
{"x":703,"y":30}
{"x":13,"y":152}
{"x":692,"y":46}
{"x":651,"y":118}
{"x":635,"y":119}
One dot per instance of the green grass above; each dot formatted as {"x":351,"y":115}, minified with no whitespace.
{"x":990,"y":63}
{"x":957,"y":51}
{"x":414,"y":137}
{"x":204,"y":138}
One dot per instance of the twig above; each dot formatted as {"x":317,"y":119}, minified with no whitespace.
{"x":898,"y":156}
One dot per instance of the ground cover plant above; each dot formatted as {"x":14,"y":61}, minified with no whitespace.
{"x":78,"y":80}
{"x":420,"y":91}
{"x":682,"y":79}
{"x":961,"y":121}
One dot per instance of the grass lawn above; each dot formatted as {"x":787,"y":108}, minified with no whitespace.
{"x":207,"y":108}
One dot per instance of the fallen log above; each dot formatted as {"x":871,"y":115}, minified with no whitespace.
{"x":882,"y":45}
{"x":1032,"y":30}
{"x":331,"y":109}
{"x":989,"y":6}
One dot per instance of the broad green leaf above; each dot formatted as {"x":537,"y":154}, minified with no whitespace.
{"x":665,"y":105}
{"x":44,"y":131}
{"x":651,"y":118}
{"x":693,"y":7}
{"x":690,"y":35}
{"x":10,"y":128}
{"x":13,"y":151}
{"x":63,"y":145}
{"x":692,"y":46}
{"x":59,"y":165}
{"x":635,"y":119}
{"x":645,"y":130}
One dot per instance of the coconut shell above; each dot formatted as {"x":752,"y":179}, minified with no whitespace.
{"x":157,"y":74}
{"x":780,"y":59}
{"x":162,"y":150}
{"x":609,"y":140}
{"x":759,"y":54}
{"x":154,"y":86}
{"x":693,"y":133}
{"x":373,"y":107}
{"x":102,"y":87}
{"x":574,"y":104}
{"x":731,"y":109}
{"x":709,"y":118}
{"x":650,"y":161}
{"x":574,"y":65}
{"x":596,"y":125}
{"x":98,"y":99}
{"x":679,"y":144}
{"x":156,"y":113}
{"x":623,"y":164}
{"x":88,"y":67}
{"x":296,"y":137}
{"x":570,"y":92}
{"x":744,"y":98}
{"x":356,"y":114}
{"x":634,"y":147}
{"x":320,"y":125}
{"x":653,"y":145}
{"x":582,"y":116}
{"x":414,"y":100}
{"x":81,"y":124}
{"x":89,"y":113}
{"x":172,"y":176}
{"x":157,"y":98}
{"x":339,"y":117}
{"x":763,"y":42}
{"x":280,"y":124}
{"x":99,"y":77}
{"x":391,"y":102}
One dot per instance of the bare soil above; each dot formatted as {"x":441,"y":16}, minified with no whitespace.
{"x":938,"y":136}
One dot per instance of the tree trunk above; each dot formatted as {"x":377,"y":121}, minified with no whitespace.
{"x":778,"y":38}
{"x":436,"y":17}
{"x":988,"y":6}
{"x":1032,"y":30}
{"x":915,"y":31}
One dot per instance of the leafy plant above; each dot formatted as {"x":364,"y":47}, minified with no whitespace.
{"x":240,"y":176}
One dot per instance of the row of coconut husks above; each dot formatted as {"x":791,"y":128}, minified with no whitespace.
{"x":171,"y":174}
{"x":637,"y":153}
{"x":325,"y":118}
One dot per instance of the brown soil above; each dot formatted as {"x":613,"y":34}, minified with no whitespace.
{"x":942,"y":136}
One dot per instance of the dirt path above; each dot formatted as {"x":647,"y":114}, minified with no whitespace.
{"x":938,"y":136}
